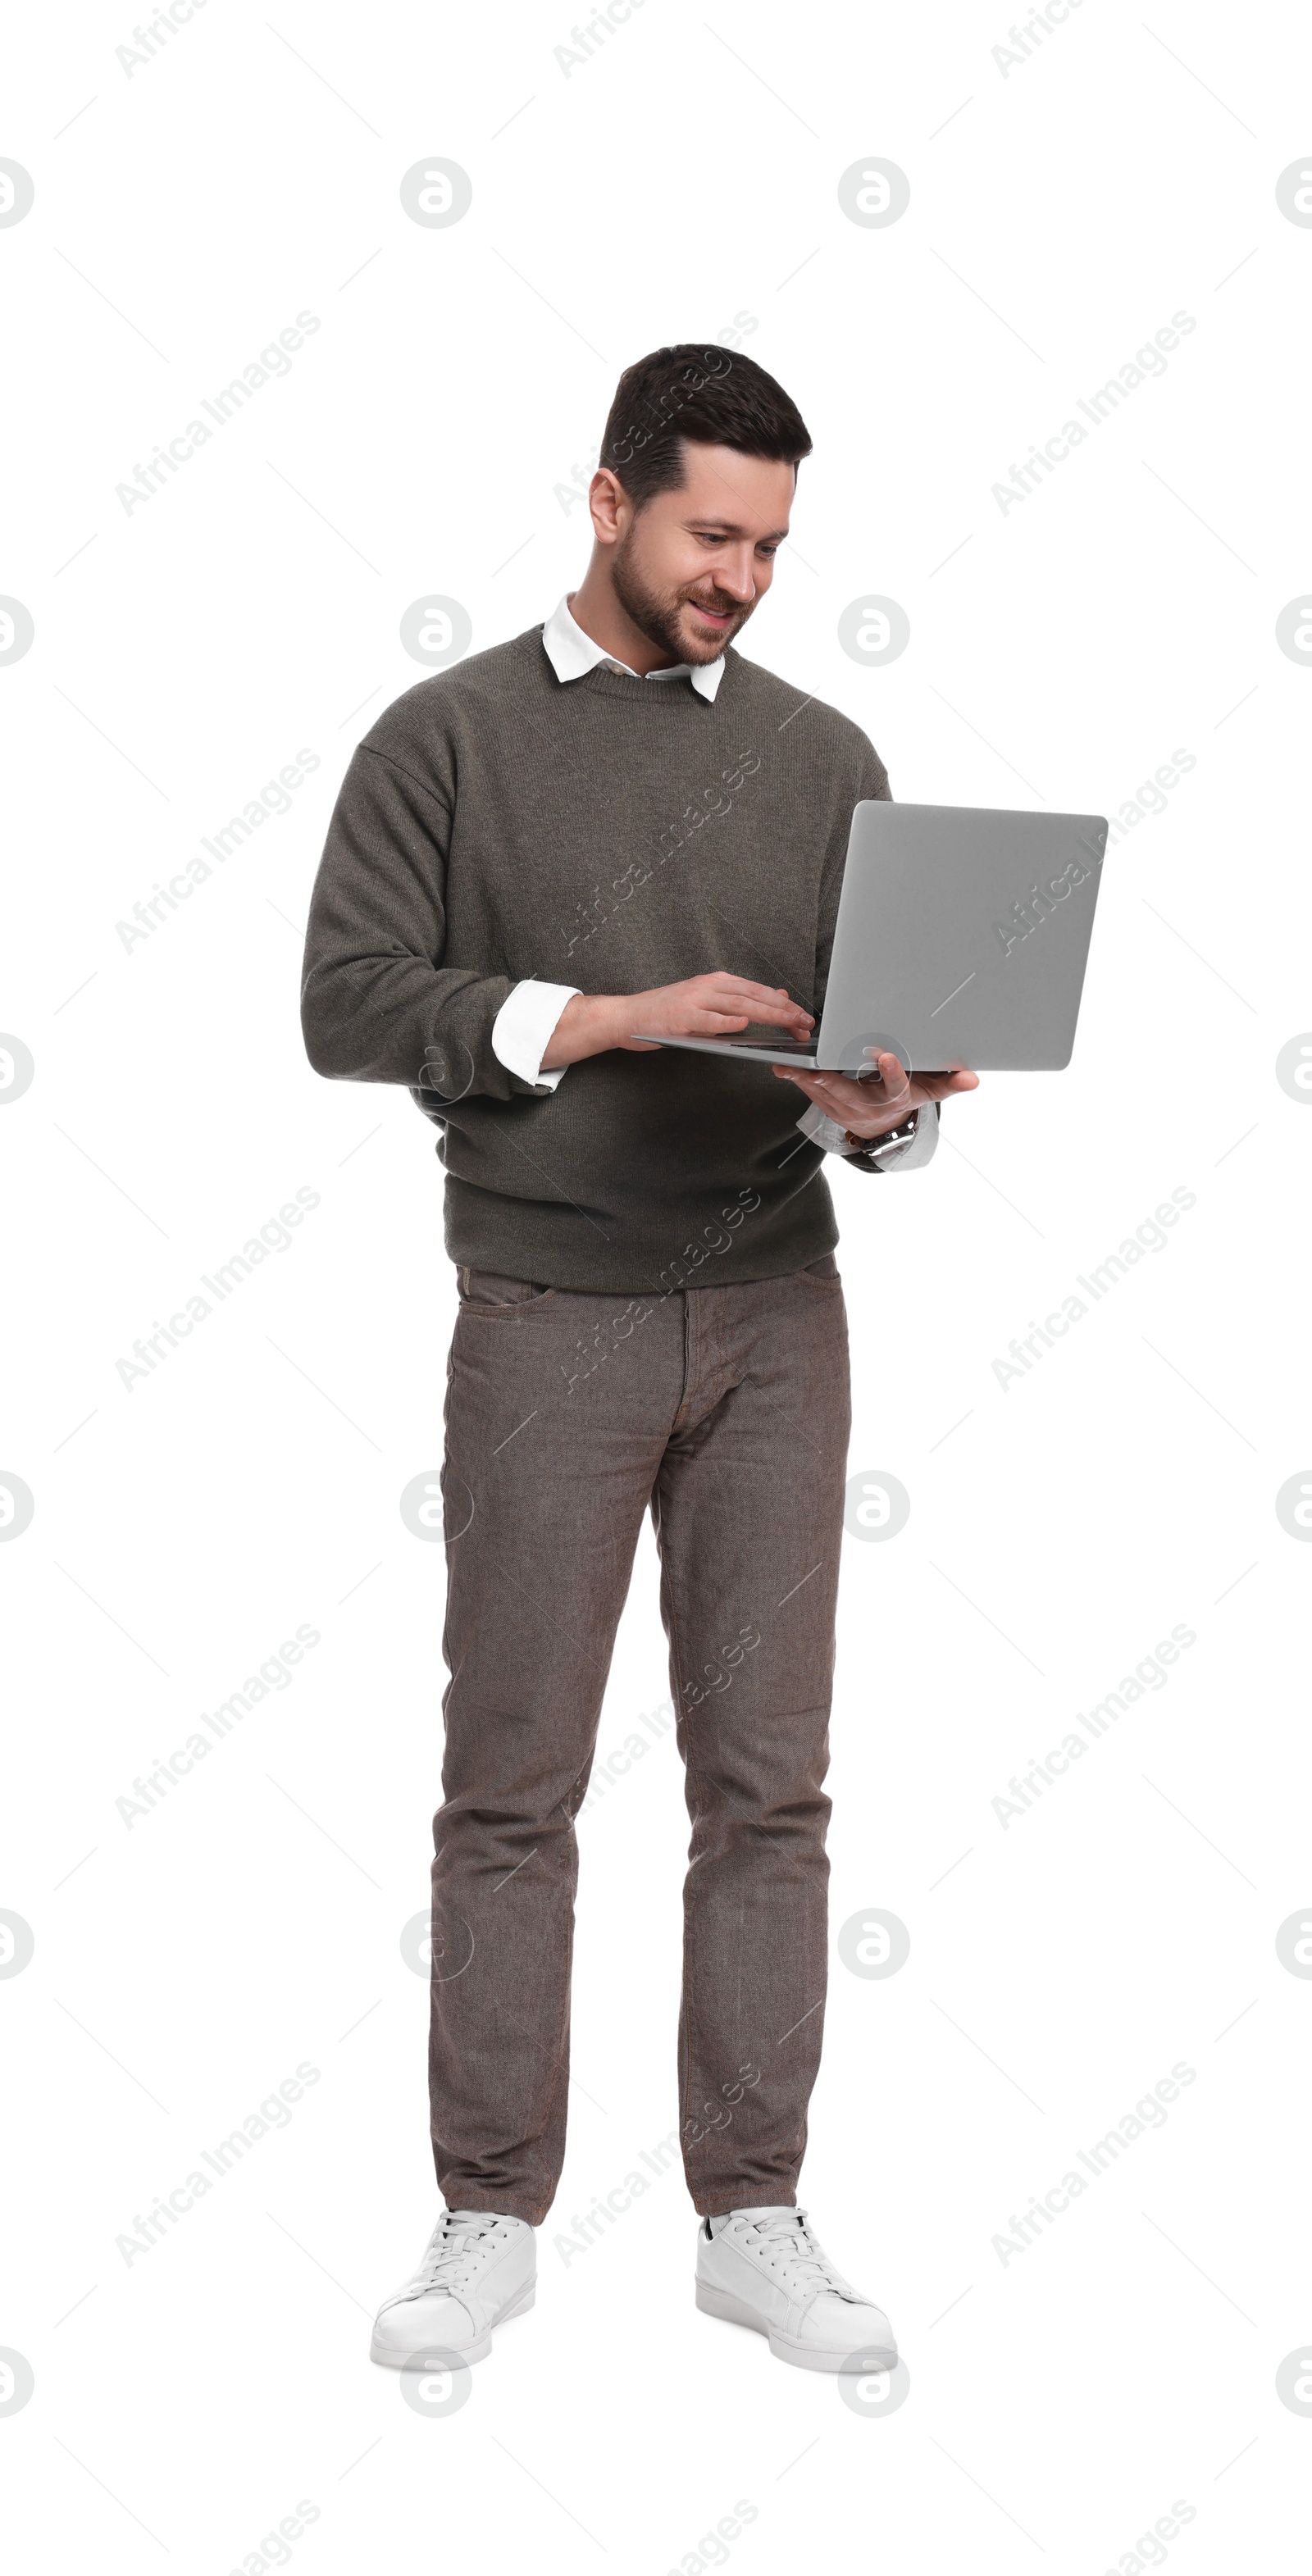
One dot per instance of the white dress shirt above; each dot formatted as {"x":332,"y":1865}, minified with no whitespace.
{"x":522,"y":1029}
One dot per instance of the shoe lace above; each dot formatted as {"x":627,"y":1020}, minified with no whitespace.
{"x":790,"y":2246}
{"x":454,"y":2249}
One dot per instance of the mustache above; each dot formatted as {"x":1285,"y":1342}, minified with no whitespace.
{"x":723,"y":606}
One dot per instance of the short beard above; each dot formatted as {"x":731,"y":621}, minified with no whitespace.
{"x":658,"y":619}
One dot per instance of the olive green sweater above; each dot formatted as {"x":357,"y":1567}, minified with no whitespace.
{"x":497,"y":824}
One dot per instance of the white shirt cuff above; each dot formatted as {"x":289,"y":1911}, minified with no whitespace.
{"x":521,"y":1031}
{"x":923,"y":1146}
{"x":823,"y":1130}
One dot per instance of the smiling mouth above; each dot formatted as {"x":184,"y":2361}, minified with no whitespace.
{"x":713,"y":616}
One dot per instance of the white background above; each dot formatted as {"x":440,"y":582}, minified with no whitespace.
{"x":1061,"y":211}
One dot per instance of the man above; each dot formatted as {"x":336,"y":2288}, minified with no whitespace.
{"x":614,"y":825}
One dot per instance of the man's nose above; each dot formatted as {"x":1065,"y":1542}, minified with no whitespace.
{"x":734,"y":574}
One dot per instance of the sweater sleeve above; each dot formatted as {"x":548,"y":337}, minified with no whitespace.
{"x":377,"y":1003}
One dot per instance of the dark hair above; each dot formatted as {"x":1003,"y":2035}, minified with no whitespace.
{"x":714,"y":396}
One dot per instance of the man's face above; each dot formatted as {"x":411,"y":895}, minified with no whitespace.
{"x":690,"y":567}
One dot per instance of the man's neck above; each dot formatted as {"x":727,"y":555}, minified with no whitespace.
{"x":595,"y":608}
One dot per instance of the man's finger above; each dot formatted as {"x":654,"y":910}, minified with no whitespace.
{"x":780,"y":1015}
{"x":774,"y":1013}
{"x":896,"y":1079}
{"x":761,"y":992}
{"x":763,"y":1007}
{"x":937,"y":1086}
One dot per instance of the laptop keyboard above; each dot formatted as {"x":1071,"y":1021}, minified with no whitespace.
{"x":775,"y":1046}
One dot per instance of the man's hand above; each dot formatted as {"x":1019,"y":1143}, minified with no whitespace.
{"x":869,"y":1107}
{"x":708,"y":1006}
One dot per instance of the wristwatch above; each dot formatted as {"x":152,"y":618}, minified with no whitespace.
{"x":876,"y":1145}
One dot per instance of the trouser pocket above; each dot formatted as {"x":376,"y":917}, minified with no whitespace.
{"x":492,"y":1290}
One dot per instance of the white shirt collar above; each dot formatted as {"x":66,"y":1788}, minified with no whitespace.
{"x":571,"y":653}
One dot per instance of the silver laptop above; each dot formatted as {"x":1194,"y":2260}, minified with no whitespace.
{"x":962,"y":938}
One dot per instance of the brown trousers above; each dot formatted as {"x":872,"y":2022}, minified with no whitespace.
{"x":726,"y":1410}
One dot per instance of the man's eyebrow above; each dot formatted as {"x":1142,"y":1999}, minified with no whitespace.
{"x":731,"y":528}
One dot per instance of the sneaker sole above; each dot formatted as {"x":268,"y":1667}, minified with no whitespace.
{"x":803,"y":2356}
{"x":390,"y":2359}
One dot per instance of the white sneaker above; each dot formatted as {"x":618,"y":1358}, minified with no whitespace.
{"x":477,"y":2270}
{"x":765,"y":2269}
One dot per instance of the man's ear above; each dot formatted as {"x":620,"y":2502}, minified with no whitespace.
{"x":611,"y":508}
